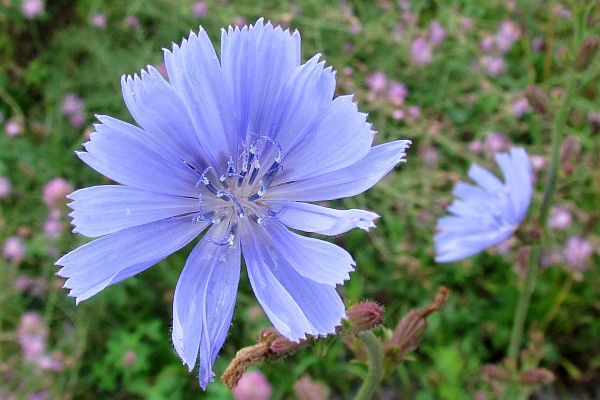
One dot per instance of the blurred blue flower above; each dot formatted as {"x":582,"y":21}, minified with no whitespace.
{"x":487,"y":214}
{"x":236,"y":148}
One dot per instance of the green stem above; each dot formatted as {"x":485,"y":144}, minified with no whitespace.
{"x":375,"y":372}
{"x":549,"y":189}
{"x":557,"y":134}
{"x":523,"y":305}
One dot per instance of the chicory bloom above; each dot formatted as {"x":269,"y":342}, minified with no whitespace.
{"x":234,"y":148}
{"x":487,"y":214}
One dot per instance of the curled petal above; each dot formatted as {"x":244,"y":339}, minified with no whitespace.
{"x":322,"y":220}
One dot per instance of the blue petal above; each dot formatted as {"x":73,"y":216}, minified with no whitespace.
{"x":196,"y":76}
{"x":161,"y":113}
{"x":104,"y":261}
{"x":121,"y":152}
{"x":204,"y":301}
{"x":301,"y":103}
{"x":454,"y":246}
{"x":518,"y":176}
{"x":257,"y":61}
{"x":340,"y":138}
{"x":487,"y":215}
{"x":294,"y":304}
{"x":322,"y":220}
{"x":315,"y":259}
{"x":100,"y":210}
{"x":485,"y":178}
{"x":347,"y":182}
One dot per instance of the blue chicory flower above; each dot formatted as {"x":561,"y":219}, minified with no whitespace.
{"x":236,"y":148}
{"x":486,"y":215}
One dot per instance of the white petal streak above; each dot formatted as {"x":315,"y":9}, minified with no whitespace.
{"x":322,"y":220}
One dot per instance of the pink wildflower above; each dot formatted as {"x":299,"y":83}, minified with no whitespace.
{"x":420,"y":51}
{"x":14,"y":249}
{"x":55,"y":193}
{"x":32,"y":8}
{"x":252,"y":386}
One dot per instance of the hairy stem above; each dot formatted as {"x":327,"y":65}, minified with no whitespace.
{"x":375,"y":372}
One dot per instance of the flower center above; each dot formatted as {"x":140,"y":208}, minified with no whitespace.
{"x":237,"y":193}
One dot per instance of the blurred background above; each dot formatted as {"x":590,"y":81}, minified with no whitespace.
{"x":462,"y":79}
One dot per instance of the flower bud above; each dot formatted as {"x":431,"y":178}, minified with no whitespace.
{"x":538,"y":99}
{"x":363,"y":317}
{"x":586,"y":53}
{"x":539,"y":376}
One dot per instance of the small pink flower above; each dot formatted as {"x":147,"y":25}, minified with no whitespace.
{"x":71,"y":104}
{"x":98,"y":20}
{"x":537,"y":162}
{"x":420,"y":51}
{"x":560,"y":218}
{"x":493,"y":65}
{"x":55,"y":193}
{"x":53,"y":226}
{"x":47,"y":362}
{"x":577,"y":253}
{"x":31,"y":334}
{"x":475,"y":146}
{"x":129,"y":358}
{"x":397,"y":93}
{"x":252,"y":386}
{"x":519,"y":107}
{"x":132,"y":21}
{"x":307,"y":389}
{"x":76,"y":119}
{"x":14,"y":249}
{"x":437,"y":33}
{"x":377,"y":81}
{"x":39,"y":396}
{"x":466,"y":24}
{"x":487,"y":44}
{"x":5,"y":187}
{"x":13,"y":127}
{"x":507,"y":34}
{"x":414,"y":112}
{"x":495,"y":142}
{"x":398,"y":114}
{"x":199,"y":9}
{"x":32,"y":8}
